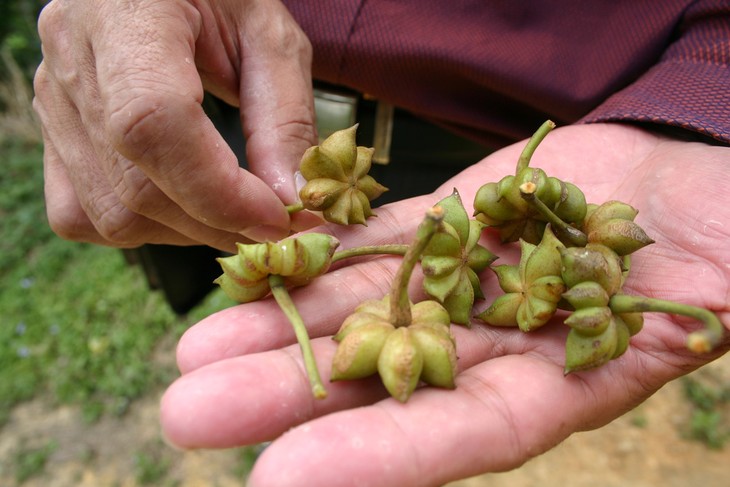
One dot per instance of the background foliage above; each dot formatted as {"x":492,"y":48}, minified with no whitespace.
{"x":18,"y":33}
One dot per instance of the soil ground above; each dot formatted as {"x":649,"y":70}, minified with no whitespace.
{"x":646,"y":447}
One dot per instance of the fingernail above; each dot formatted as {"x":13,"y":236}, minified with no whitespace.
{"x":265,"y":233}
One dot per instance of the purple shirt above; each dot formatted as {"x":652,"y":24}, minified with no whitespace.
{"x":496,"y":69}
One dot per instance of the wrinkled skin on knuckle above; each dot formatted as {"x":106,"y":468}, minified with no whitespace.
{"x":118,"y":226}
{"x":69,"y":222}
{"x":139,"y":194}
{"x":138,"y":123}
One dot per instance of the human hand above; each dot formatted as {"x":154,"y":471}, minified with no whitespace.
{"x":130,"y":156}
{"x":243,"y":382}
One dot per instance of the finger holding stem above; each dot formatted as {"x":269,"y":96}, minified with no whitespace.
{"x":282,"y":297}
{"x":294,"y":207}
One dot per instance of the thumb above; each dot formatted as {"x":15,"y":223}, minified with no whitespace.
{"x":277,"y":106}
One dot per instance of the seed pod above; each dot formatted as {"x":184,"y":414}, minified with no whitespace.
{"x":547,"y":288}
{"x":622,"y":236}
{"x":242,"y":293}
{"x":544,"y":259}
{"x":491,"y":209}
{"x":594,"y":262}
{"x":357,"y":354}
{"x":503,"y":310}
{"x":534,"y":313}
{"x":322,"y":193}
{"x":597,"y":214}
{"x":623,"y":335}
{"x":590,"y":321}
{"x":633,"y":321}
{"x":360,"y":350}
{"x":452,"y":260}
{"x":297,"y":259}
{"x":534,"y":287}
{"x":584,"y":352}
{"x":240,"y":270}
{"x":509,"y":278}
{"x":571,"y":205}
{"x":319,"y":249}
{"x":400,"y":364}
{"x":439,"y":355}
{"x":612,"y":225}
{"x":460,"y":301}
{"x":586,"y":294}
{"x":511,"y":191}
{"x":359,"y":318}
{"x":429,"y":313}
{"x":337,"y":177}
{"x":501,"y":205}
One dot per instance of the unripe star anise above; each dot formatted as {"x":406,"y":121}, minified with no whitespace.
{"x":532,"y":288}
{"x":594,"y":275}
{"x":403,"y":342}
{"x":453,"y":259}
{"x":297,"y":259}
{"x":370,"y":343}
{"x":612,"y":224}
{"x":337,"y":177}
{"x":501,"y":204}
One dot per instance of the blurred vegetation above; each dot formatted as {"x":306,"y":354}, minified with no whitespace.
{"x":78,"y":322}
{"x":18,"y":34}
{"x":20,"y":53}
{"x":709,"y":399}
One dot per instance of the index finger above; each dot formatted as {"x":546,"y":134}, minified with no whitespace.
{"x":152,"y":94}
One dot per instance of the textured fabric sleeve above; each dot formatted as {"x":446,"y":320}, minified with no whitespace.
{"x":689,"y":87}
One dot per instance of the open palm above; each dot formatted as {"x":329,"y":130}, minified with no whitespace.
{"x":243,"y":380}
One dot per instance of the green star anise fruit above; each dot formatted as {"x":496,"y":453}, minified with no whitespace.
{"x":337,"y":177}
{"x":596,"y":263}
{"x":453,"y":259}
{"x":501,"y":206}
{"x":597,"y":334}
{"x":297,"y":259}
{"x":402,"y":356}
{"x":533,"y":288}
{"x":612,"y":224}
